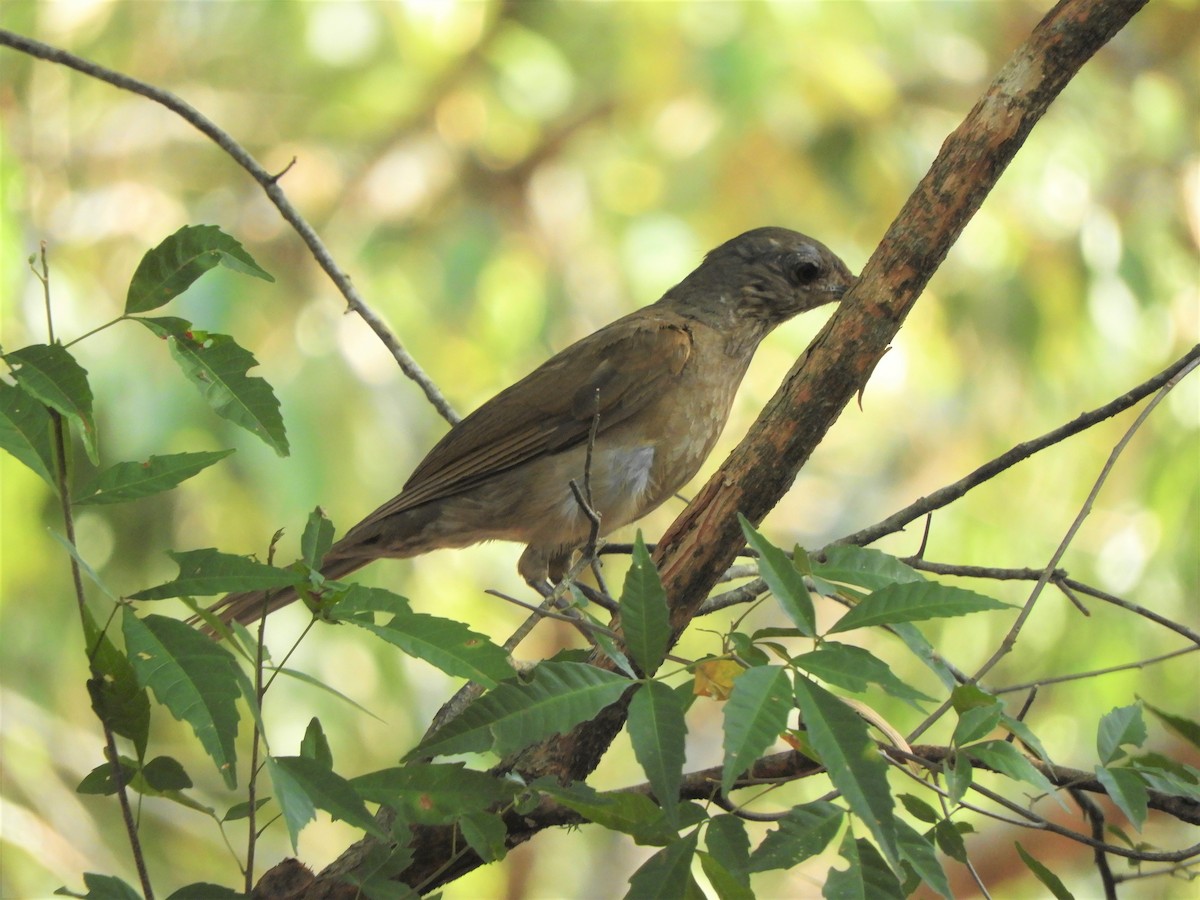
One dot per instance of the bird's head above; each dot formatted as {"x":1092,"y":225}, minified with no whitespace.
{"x":761,"y":278}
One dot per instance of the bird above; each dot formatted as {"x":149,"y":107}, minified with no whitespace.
{"x":647,"y":395}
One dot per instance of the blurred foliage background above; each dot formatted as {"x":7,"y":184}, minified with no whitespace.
{"x":502,"y":178}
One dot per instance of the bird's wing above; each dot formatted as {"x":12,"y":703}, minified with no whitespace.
{"x":620,"y":368}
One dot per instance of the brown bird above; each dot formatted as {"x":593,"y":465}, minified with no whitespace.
{"x":661,"y":381}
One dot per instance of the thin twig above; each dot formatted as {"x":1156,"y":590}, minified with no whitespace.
{"x":97,"y":679}
{"x":992,"y":468}
{"x":267,"y":181}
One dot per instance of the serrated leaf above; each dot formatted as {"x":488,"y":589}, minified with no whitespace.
{"x":118,"y":699}
{"x":855,"y":765}
{"x":203,"y":890}
{"x":657,"y":731}
{"x":450,"y":646}
{"x":912,"y":602}
{"x":920,"y":647}
{"x":803,"y":833}
{"x":1127,"y":790}
{"x":919,"y":853}
{"x":959,"y":774}
{"x":304,"y":785}
{"x":486,"y":834}
{"x":25,"y":431}
{"x":854,"y":668}
{"x":317,"y":538}
{"x":50,"y":374}
{"x":950,"y":841}
{"x":217,"y":367}
{"x":726,"y":884}
{"x":512,"y":716}
{"x":976,"y":723}
{"x":360,"y":599}
{"x":919,"y":809}
{"x":1188,"y":729}
{"x":1052,"y":882}
{"x":165,"y":773}
{"x":210,"y":571}
{"x":321,"y":685}
{"x":103,"y":887}
{"x":1124,"y":725}
{"x":1025,"y":735}
{"x":727,"y":842}
{"x":193,"y":677}
{"x":1003,"y":757}
{"x":133,"y":480}
{"x":784,"y":581}
{"x":645,"y":619}
{"x":629,"y":813}
{"x":668,"y":873}
{"x":755,"y":715}
{"x":867,"y":877}
{"x":169,"y":269}
{"x":434,"y":793}
{"x":314,"y":745}
{"x":864,"y":567}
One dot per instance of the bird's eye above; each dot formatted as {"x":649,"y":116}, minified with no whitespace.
{"x":802,"y":271}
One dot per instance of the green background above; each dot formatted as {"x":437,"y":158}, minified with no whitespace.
{"x":501,"y":179}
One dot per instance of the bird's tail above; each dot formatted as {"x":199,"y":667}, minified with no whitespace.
{"x":250,"y":606}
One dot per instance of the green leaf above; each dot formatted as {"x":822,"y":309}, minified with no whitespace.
{"x":50,"y":374}
{"x":100,"y":780}
{"x":486,"y":834}
{"x":164,"y":773}
{"x":644,"y":616}
{"x":203,"y":890}
{"x":434,"y":794}
{"x":315,"y":745}
{"x":919,"y":809}
{"x":668,"y":873}
{"x":103,"y":887}
{"x":304,"y":785}
{"x":785,"y":582}
{"x":657,"y":730}
{"x":918,"y":852}
{"x":855,"y":765}
{"x":628,"y":812}
{"x":242,"y":810}
{"x":193,"y":677}
{"x":756,"y":713}
{"x":118,"y":699}
{"x":803,"y":833}
{"x":209,"y":571}
{"x":950,"y":841}
{"x":317,"y":538}
{"x":920,"y":647}
{"x":728,"y":844}
{"x":132,"y":480}
{"x":25,"y":431}
{"x":976,"y":723}
{"x":450,"y":646}
{"x":1123,"y":725}
{"x":867,"y":877}
{"x":726,"y":884}
{"x":217,"y":366}
{"x":853,"y":669}
{"x":360,"y":600}
{"x":864,"y":567}
{"x":1167,"y":775}
{"x":1188,"y":729}
{"x":321,"y":685}
{"x":170,"y":268}
{"x":1003,"y":757}
{"x":959,"y":774}
{"x":513,"y":716}
{"x":1126,"y":789}
{"x":1052,"y":882}
{"x":913,"y":602}
{"x":1025,"y":735}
